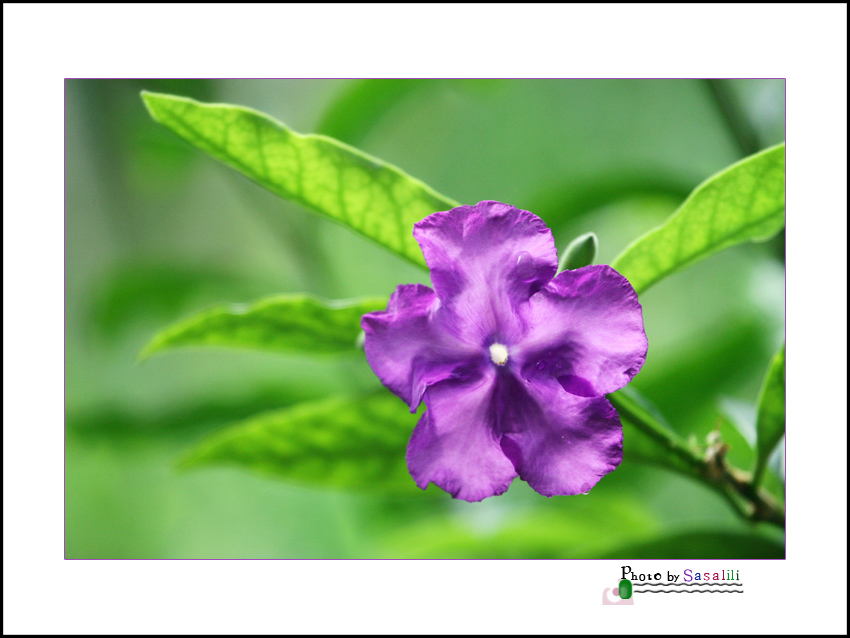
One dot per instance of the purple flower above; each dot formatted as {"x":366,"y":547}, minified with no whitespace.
{"x":512,"y":363}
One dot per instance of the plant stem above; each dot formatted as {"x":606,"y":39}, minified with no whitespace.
{"x":752,"y":503}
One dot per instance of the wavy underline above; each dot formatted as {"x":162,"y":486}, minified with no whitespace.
{"x":689,"y":591}
{"x":684,"y":584}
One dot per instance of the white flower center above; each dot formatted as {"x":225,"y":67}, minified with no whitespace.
{"x":499,"y":354}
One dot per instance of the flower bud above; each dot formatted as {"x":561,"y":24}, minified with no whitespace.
{"x":580,"y":252}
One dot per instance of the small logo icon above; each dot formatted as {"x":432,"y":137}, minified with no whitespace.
{"x":623,"y":592}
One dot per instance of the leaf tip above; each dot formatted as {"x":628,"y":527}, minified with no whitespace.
{"x":155,"y":101}
{"x":149,"y":99}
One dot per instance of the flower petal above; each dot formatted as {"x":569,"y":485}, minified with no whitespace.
{"x":561,"y":443}
{"x":586,"y":331}
{"x":485,"y":261}
{"x":455,"y":445}
{"x":411,"y":344}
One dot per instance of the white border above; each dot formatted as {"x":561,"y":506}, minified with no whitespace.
{"x":45,"y":43}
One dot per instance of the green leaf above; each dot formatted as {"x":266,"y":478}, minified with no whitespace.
{"x":281,"y":323}
{"x":325,"y":176}
{"x":350,"y":443}
{"x":770,"y":422}
{"x":745,"y":202}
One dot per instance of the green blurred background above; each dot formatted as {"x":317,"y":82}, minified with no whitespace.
{"x":155,"y":231}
